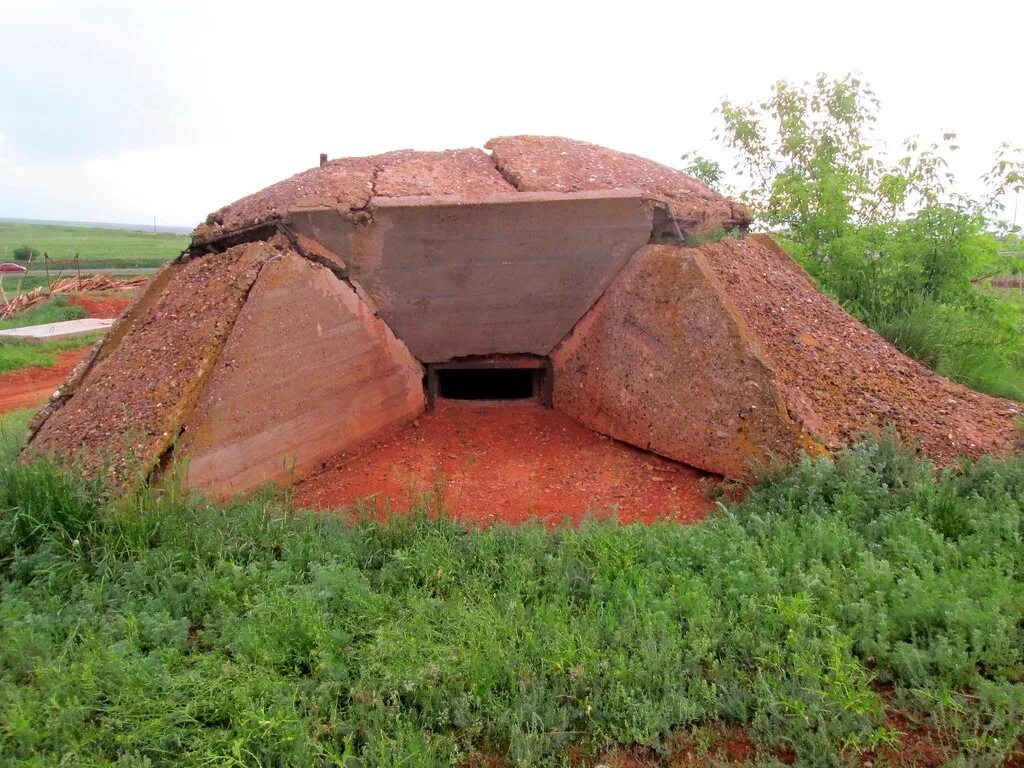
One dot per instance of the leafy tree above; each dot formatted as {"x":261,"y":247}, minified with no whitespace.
{"x":703,"y":169}
{"x":894,"y":241}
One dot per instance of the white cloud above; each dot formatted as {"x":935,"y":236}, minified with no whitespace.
{"x":187,"y":106}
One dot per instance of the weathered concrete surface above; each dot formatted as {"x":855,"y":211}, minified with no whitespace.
{"x":465,"y":172}
{"x":664,"y":362}
{"x":839,"y":378}
{"x":347,"y":186}
{"x":504,"y":274}
{"x":63,"y":330}
{"x":131,"y":400}
{"x":307,"y":373}
{"x":554,"y":164}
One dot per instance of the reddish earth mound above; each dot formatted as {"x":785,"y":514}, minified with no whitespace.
{"x":352,"y":185}
{"x":839,"y":378}
{"x":101,"y":305}
{"x":507,"y":463}
{"x":30,"y":386}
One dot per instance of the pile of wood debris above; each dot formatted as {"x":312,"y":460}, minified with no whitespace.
{"x":22,"y":302}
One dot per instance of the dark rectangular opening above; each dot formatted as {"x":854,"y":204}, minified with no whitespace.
{"x":487,"y":383}
{"x":503,"y":377}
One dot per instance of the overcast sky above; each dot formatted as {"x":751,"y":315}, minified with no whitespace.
{"x":116,"y":110}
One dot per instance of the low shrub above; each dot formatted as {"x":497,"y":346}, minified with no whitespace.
{"x":25,"y":253}
{"x":160,"y":629}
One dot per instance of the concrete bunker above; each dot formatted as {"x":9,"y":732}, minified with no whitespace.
{"x":335,"y":307}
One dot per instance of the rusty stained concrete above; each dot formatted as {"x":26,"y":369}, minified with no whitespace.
{"x":665,"y":362}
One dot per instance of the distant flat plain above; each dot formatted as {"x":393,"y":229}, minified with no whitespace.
{"x":102,"y":246}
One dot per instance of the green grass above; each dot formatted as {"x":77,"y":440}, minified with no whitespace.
{"x":16,"y":354}
{"x":982,"y":348}
{"x":162,"y":630}
{"x":15,"y":284}
{"x":102,"y":248}
{"x":54,"y":310}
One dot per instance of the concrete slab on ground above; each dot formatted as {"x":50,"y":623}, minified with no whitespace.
{"x":53,"y":331}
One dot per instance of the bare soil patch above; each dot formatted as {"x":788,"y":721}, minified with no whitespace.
{"x":506,"y":463}
{"x":30,"y":386}
{"x":101,"y":305}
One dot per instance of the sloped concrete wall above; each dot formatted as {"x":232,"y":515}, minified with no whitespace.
{"x":126,"y":408}
{"x":507,"y":274}
{"x":664,"y":362}
{"x":307,"y":373}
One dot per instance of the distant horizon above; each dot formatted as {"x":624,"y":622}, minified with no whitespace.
{"x":166,"y":229}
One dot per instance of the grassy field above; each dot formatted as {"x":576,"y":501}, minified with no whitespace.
{"x":16,"y":354}
{"x":102,"y":248}
{"x":55,"y":310}
{"x":159,"y":629}
{"x":14,"y":284}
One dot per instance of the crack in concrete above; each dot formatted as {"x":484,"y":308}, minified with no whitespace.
{"x":504,"y":173}
{"x":293,"y":239}
{"x":363,"y":215}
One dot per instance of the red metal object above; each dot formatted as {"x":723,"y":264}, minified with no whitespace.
{"x":8,"y":267}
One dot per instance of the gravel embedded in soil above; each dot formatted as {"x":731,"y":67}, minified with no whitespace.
{"x":131,"y":404}
{"x":516,"y":164}
{"x":348,"y":185}
{"x":840,"y":378}
{"x":506,"y":463}
{"x":556,"y":164}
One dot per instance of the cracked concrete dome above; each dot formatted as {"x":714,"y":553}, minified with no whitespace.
{"x":516,"y":164}
{"x":332,"y":308}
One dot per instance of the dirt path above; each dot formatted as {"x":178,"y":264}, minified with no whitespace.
{"x":31,"y":386}
{"x":507,"y":463}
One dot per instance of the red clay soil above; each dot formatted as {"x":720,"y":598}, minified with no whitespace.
{"x":101,"y":305}
{"x":30,"y":386}
{"x":506,"y":463}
